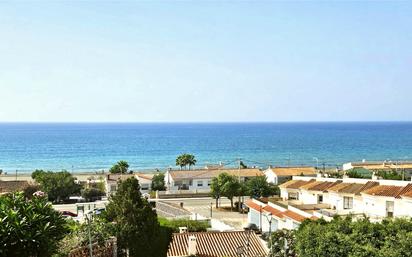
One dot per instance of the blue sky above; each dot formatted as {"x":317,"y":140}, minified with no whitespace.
{"x":205,"y":61}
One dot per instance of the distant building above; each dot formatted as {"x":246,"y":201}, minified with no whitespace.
{"x":202,"y":178}
{"x":112,"y":180}
{"x":278,"y":175}
{"x":216,"y":244}
{"x":379,"y":165}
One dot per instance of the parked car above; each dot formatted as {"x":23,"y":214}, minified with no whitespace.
{"x":68,"y":214}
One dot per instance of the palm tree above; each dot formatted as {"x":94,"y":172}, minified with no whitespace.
{"x":185,"y":159}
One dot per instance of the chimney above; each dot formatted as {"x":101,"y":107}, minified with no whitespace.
{"x":182,"y":230}
{"x":374,"y":176}
{"x":192,"y":246}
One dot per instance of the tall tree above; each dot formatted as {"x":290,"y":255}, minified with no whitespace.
{"x":158,"y":182}
{"x":120,"y":167}
{"x":58,"y":185}
{"x":185,"y":160}
{"x":29,"y":227}
{"x":258,"y":187}
{"x":136,"y":224}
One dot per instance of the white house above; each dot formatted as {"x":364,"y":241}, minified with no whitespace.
{"x":112,"y":180}
{"x":374,"y":198}
{"x":270,"y":215}
{"x":278,"y":175}
{"x":202,"y":178}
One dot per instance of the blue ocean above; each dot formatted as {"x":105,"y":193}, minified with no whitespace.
{"x":92,"y":147}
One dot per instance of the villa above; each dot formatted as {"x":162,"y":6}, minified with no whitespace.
{"x":112,"y":180}
{"x":200,"y":180}
{"x":278,"y":175}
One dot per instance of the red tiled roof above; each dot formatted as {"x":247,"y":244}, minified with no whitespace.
{"x":251,"y":204}
{"x":352,"y":188}
{"x":293,"y":215}
{"x":320,"y":185}
{"x":389,"y":191}
{"x":275,"y":212}
{"x":296,"y":184}
{"x":216,"y":244}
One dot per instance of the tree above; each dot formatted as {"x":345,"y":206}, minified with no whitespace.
{"x":29,"y":227}
{"x":258,"y":187}
{"x":91,"y":194}
{"x":135,"y":222}
{"x":158,"y":182}
{"x":121,"y":167}
{"x":186,"y":159}
{"x":224,"y":185}
{"x":58,"y":185}
{"x":230,"y":187}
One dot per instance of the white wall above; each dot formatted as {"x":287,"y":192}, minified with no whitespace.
{"x":271,"y":176}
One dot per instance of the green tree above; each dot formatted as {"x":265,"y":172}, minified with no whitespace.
{"x":258,"y":187}
{"x":58,"y":185}
{"x":29,"y":227}
{"x":224,"y":185}
{"x":121,"y":167}
{"x":158,"y":182}
{"x":185,"y":160}
{"x":91,"y":194}
{"x":230,"y":187}
{"x":135,"y":222}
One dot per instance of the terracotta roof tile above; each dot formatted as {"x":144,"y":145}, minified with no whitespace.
{"x":389,"y":191}
{"x":293,"y":215}
{"x":296,"y":184}
{"x":293,"y":171}
{"x":320,"y":185}
{"x":216,"y":244}
{"x":275,"y":212}
{"x":251,"y":204}
{"x":352,"y":188}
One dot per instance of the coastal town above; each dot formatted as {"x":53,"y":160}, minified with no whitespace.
{"x":219,"y":210}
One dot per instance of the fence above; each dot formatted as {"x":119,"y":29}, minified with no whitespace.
{"x":109,"y":249}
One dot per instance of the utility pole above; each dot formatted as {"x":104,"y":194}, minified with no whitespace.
{"x":238,"y":202}
{"x":16,"y":175}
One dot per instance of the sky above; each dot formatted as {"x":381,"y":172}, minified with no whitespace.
{"x":193,"y":61}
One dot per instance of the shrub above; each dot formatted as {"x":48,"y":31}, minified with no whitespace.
{"x":192,"y":225}
{"x":29,"y":227}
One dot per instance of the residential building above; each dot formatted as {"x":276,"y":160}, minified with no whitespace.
{"x":216,"y":244}
{"x":278,"y":175}
{"x":379,"y":165}
{"x":202,"y":178}
{"x":327,"y":197}
{"x":275,"y":216}
{"x":112,"y":180}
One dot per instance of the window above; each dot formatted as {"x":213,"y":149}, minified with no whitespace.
{"x":145,"y":186}
{"x":209,"y":182}
{"x":320,"y":198}
{"x":113,"y":188}
{"x":293,"y":196}
{"x":347,"y":202}
{"x":200,"y":183}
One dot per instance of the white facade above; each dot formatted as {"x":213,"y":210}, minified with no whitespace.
{"x":373,"y":206}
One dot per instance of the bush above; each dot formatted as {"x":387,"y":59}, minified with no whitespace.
{"x":192,"y":225}
{"x":92,"y":194}
{"x":29,"y":227}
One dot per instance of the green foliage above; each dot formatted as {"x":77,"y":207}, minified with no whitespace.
{"x":185,"y":160}
{"x":91,"y":194}
{"x":120,"y":167}
{"x":58,"y":185}
{"x":135,"y":222}
{"x":277,"y":243}
{"x":29,"y":227}
{"x":100,"y":232}
{"x":192,"y":225}
{"x":258,"y":187}
{"x":224,"y":185}
{"x":361,"y":238}
{"x":392,"y":174}
{"x":158,"y":182}
{"x":242,"y":165}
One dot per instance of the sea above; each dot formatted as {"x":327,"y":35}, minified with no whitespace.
{"x":90,"y":147}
